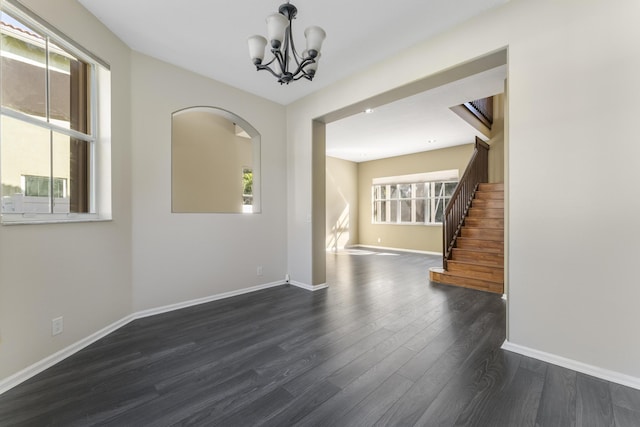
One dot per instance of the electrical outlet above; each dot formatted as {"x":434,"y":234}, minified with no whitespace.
{"x":259,"y":270}
{"x":57,"y":326}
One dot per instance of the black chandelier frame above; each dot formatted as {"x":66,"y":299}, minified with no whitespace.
{"x":281,"y":57}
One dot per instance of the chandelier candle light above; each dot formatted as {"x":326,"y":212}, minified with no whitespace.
{"x":283,"y":49}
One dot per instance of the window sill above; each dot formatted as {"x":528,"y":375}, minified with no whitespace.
{"x":26,"y":219}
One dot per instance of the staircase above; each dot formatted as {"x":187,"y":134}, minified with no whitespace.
{"x":477,"y":260}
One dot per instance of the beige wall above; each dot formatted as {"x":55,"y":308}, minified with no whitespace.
{"x":342,"y":204}
{"x":207,"y":159}
{"x":79,"y":271}
{"x":413,"y":237}
{"x":562,"y":55}
{"x":318,"y":209}
{"x":557,"y":304}
{"x":496,"y":153}
{"x":180,"y":257}
{"x":96,"y":274}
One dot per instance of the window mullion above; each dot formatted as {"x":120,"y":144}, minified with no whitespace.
{"x":414,"y":188}
{"x":46,"y":81}
{"x":425,"y":196}
{"x":47,"y":107}
{"x":388,"y":204}
{"x":50,"y":126}
{"x":432,"y":205}
{"x":51,"y":200}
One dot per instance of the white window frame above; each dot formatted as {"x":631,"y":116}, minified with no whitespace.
{"x":427,"y":180}
{"x":99,"y":119}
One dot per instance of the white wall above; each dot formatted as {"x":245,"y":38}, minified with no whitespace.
{"x":79,"y":271}
{"x":180,"y":257}
{"x":573,"y":89}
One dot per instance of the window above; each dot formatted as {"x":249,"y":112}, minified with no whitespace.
{"x":40,"y":186}
{"x":247,"y":190}
{"x":412,"y":199}
{"x":51,"y":119}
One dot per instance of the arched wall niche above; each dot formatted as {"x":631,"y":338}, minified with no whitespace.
{"x":215,"y":162}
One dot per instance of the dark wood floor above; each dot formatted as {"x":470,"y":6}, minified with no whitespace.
{"x":381,"y":346}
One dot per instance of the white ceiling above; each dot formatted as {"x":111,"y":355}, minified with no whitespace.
{"x":209,"y":37}
{"x":418,"y":123}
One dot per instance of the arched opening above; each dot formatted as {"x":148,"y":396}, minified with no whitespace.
{"x":215,"y":162}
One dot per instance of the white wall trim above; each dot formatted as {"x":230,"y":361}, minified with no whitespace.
{"x":312,"y":288}
{"x":414,"y":251}
{"x":198,"y":301}
{"x":605,"y":374}
{"x":33,"y":370}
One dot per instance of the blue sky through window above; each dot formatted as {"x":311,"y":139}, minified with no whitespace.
{"x":8,"y":19}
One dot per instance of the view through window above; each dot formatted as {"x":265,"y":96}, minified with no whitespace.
{"x":47,"y":125}
{"x":412,"y":199}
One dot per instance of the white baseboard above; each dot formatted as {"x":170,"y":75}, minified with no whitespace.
{"x":29,"y":372}
{"x":594,"y":371}
{"x":33,"y":370}
{"x":384,"y":248}
{"x":308,"y":287}
{"x":198,"y":301}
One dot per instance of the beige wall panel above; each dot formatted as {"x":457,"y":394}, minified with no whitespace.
{"x":496,"y":153}
{"x":207,"y":162}
{"x":413,"y":237}
{"x":184,"y":256}
{"x":79,"y":271}
{"x":342,"y":204}
{"x":573,"y":90}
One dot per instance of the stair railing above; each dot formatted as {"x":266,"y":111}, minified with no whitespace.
{"x":477,"y":171}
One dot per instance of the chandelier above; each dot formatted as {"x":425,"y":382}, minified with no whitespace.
{"x":284,"y":51}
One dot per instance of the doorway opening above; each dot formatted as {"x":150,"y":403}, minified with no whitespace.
{"x":361,"y":142}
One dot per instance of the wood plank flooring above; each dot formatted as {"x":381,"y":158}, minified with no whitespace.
{"x":380,"y":347}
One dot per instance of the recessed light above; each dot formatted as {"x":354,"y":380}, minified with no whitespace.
{"x":368,"y":111}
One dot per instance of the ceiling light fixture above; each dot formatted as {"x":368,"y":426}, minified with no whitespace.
{"x":283,"y":50}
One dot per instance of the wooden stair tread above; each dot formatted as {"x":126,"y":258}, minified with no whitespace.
{"x":485,"y":245}
{"x":477,"y":259}
{"x":486,"y":213}
{"x":476,"y":228}
{"x":490,"y":273}
{"x":447,"y":278}
{"x":488,"y":203}
{"x":491,"y":186}
{"x":495,"y":259}
{"x":484,"y":222}
{"x":484,"y":227}
{"x":467,"y":275}
{"x":491,"y":195}
{"x":482,"y":233}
